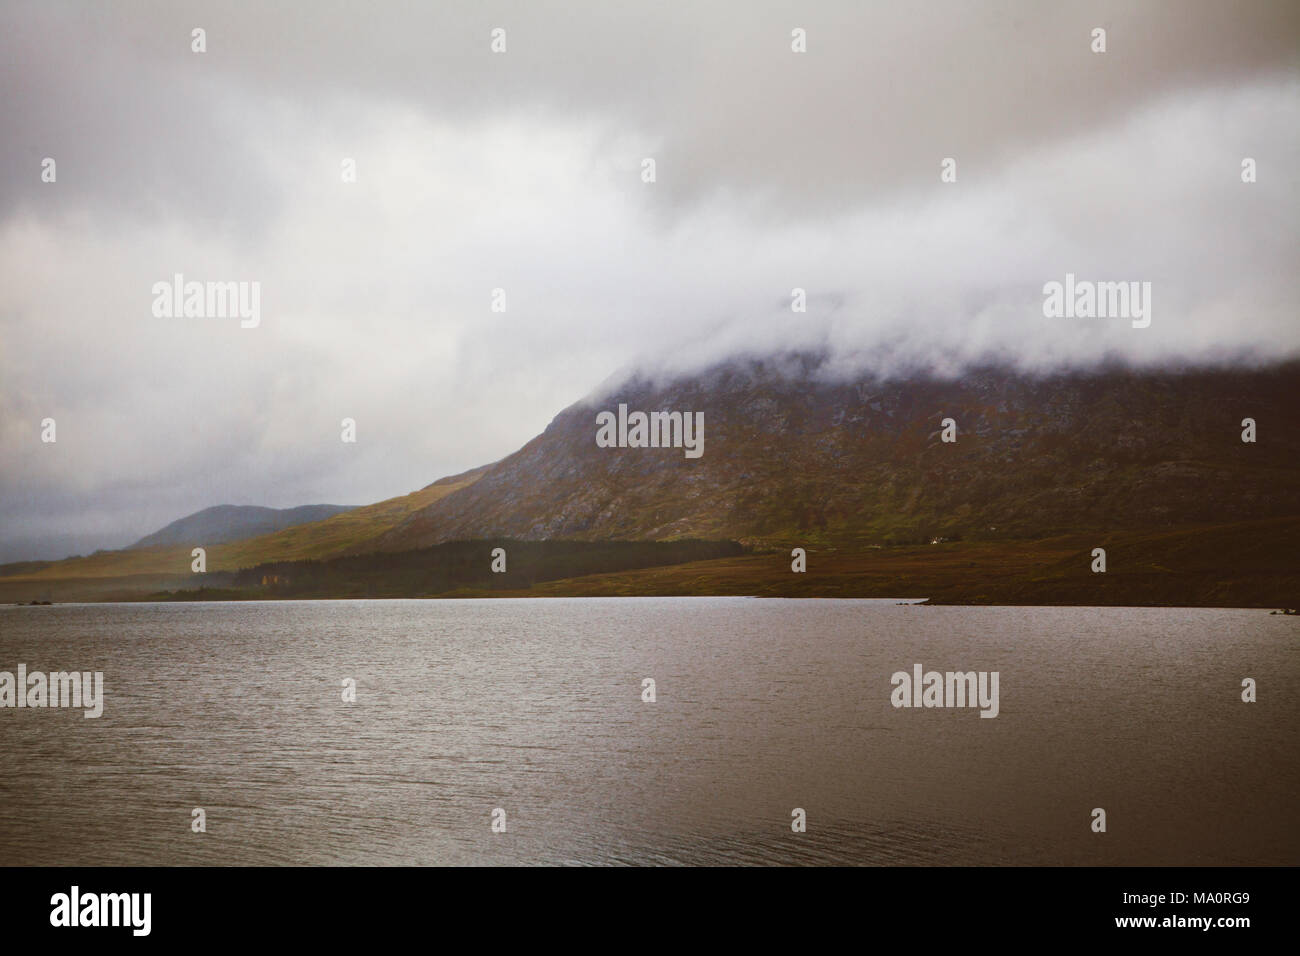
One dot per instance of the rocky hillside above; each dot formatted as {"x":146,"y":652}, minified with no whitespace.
{"x":793,"y":457}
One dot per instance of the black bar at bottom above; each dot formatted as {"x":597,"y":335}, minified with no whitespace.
{"x":923,"y":905}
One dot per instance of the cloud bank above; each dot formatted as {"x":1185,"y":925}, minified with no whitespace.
{"x":522,"y":171}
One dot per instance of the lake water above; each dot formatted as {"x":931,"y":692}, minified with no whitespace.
{"x":534,"y":707}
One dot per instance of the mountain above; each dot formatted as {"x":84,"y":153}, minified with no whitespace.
{"x":795,"y":456}
{"x":122,"y":574}
{"x":224,"y":523}
{"x":345,"y":532}
{"x":1149,"y":464}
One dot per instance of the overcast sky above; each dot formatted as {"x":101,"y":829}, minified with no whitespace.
{"x":522,"y":171}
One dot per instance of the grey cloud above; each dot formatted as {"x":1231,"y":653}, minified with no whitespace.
{"x":775,"y":170}
{"x":885,"y":91}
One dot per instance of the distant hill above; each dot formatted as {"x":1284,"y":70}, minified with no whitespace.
{"x":223,"y":523}
{"x":793,"y":456}
{"x":346,"y":532}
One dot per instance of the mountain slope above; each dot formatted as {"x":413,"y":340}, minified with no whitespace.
{"x":223,"y":523}
{"x":342,"y":533}
{"x":792,"y":458}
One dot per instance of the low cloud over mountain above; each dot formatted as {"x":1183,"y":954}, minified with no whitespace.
{"x":522,"y":171}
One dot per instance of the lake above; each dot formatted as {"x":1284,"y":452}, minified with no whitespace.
{"x":534,"y":706}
